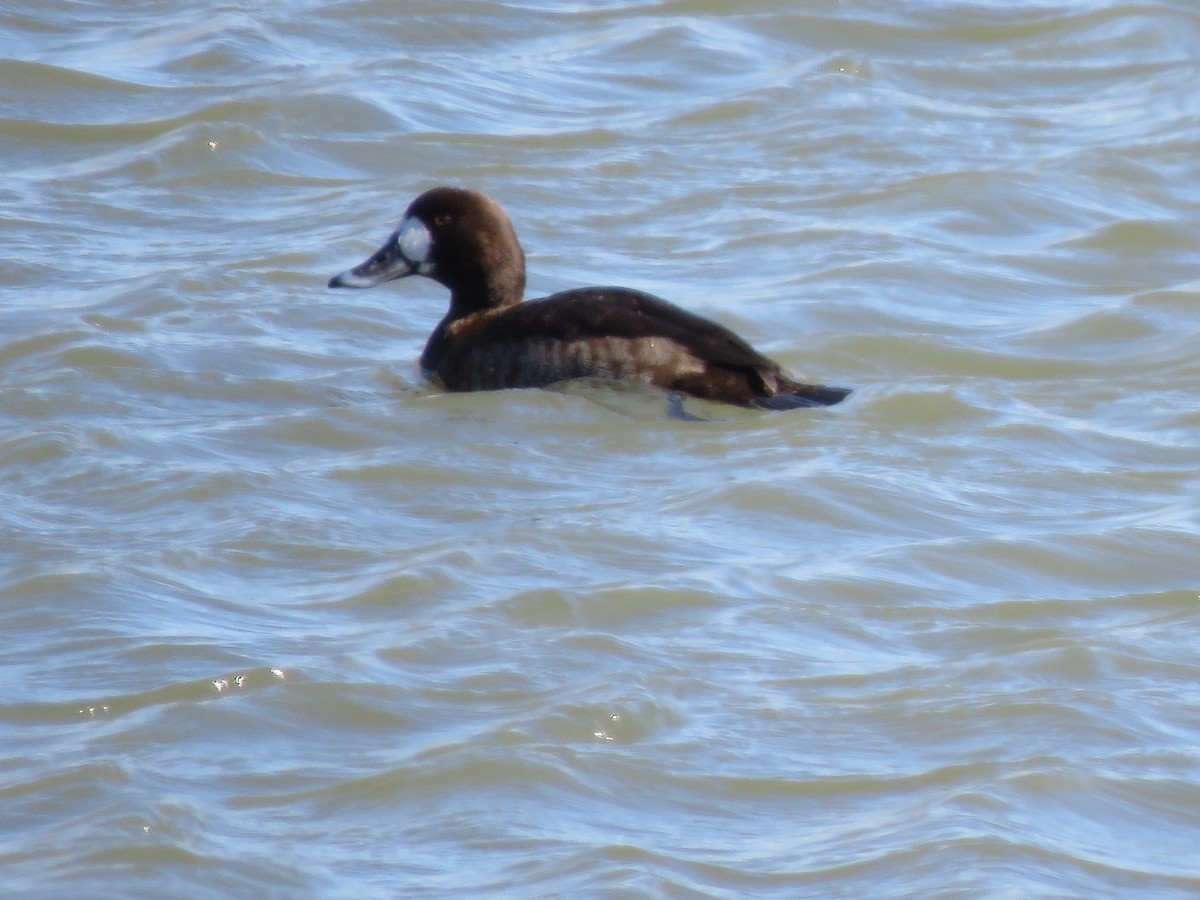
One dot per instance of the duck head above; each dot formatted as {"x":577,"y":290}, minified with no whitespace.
{"x":459,"y":238}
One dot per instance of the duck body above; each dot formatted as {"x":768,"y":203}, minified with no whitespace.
{"x":492,"y":339}
{"x":609,"y":333}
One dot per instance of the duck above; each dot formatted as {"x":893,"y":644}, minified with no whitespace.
{"x":491,"y":338}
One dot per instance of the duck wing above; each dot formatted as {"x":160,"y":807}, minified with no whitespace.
{"x":612,"y":312}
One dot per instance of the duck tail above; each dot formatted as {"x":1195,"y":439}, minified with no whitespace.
{"x":795,"y":395}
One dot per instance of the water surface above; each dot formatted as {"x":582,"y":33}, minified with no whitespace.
{"x":282,"y":620}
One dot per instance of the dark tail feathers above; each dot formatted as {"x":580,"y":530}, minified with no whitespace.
{"x":794,"y":395}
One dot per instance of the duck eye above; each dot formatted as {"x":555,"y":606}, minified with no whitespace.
{"x":441,"y":220}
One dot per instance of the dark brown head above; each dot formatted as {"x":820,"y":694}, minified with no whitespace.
{"x":457,"y":237}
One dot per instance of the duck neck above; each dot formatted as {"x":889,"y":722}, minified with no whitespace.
{"x":467,"y":302}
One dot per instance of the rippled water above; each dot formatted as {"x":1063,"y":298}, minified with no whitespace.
{"x":281,"y":620}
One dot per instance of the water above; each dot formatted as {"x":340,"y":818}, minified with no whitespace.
{"x":281,"y":620}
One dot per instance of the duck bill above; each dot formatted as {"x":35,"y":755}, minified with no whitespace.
{"x":385,"y":264}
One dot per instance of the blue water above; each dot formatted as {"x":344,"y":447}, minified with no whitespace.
{"x":281,"y":619}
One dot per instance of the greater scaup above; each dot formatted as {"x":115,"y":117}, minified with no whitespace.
{"x":490,"y":339}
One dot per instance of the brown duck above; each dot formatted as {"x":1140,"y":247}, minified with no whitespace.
{"x":492,"y":339}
